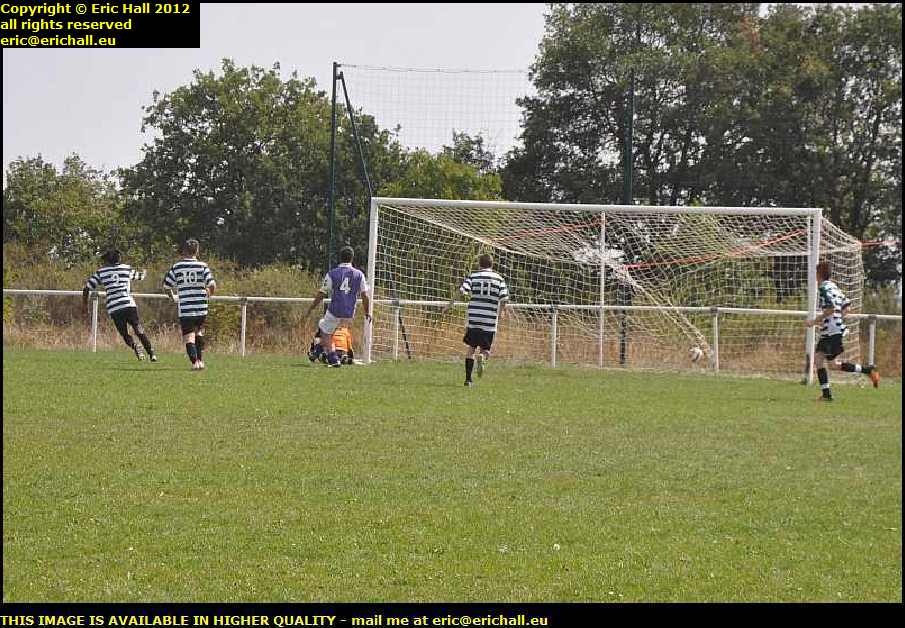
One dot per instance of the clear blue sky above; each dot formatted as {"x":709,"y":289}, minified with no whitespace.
{"x":59,"y":101}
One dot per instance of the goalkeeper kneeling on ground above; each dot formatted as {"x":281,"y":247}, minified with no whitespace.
{"x":342,"y":340}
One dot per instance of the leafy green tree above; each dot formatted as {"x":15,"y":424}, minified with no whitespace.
{"x":442,"y":176}
{"x":69,"y":213}
{"x":821,"y":123}
{"x":801,"y":107}
{"x":241,"y":161}
{"x":466,"y":149}
{"x":591,"y":55}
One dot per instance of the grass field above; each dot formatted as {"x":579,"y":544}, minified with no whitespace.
{"x":266,"y":479}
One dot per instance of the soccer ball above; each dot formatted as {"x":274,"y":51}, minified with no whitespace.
{"x":695,"y":354}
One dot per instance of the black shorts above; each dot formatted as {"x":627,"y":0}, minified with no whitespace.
{"x":830,"y":346}
{"x":128,"y":315}
{"x":191,"y":324}
{"x":475,"y":337}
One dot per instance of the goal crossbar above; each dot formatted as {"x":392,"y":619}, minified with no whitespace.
{"x":578,"y":207}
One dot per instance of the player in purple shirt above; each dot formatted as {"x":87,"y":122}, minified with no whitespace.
{"x":343,"y":285}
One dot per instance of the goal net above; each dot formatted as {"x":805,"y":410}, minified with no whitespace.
{"x":425,"y":107}
{"x":609,"y":285}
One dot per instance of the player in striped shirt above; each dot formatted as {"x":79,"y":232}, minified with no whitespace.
{"x":116,"y":279}
{"x":489,"y":293}
{"x":834,"y":306}
{"x":194,"y":283}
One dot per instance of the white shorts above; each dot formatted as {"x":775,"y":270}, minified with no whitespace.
{"x":329,"y":323}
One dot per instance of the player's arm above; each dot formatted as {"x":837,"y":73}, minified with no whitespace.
{"x":366,"y":301}
{"x":846,"y":307}
{"x":464,"y":289}
{"x":504,"y":297}
{"x":319,"y":296}
{"x":90,"y":285}
{"x":827,"y":308}
{"x":169,"y":284}
{"x":826,"y":313}
{"x":366,"y":298}
{"x":211,"y":284}
{"x":85,"y":292}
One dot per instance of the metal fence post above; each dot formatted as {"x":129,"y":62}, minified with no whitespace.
{"x":397,"y":314}
{"x":94,"y":308}
{"x":601,"y":349}
{"x":244,"y":306}
{"x":715,"y":349}
{"x":871,"y":340}
{"x":553,"y":332}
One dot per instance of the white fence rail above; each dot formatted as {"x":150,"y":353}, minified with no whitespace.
{"x":715,"y":312}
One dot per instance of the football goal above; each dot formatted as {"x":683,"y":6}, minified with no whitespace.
{"x":610,"y":285}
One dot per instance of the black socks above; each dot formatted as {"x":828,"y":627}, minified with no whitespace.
{"x":848,"y":367}
{"x":469,"y":367}
{"x":824,"y":379}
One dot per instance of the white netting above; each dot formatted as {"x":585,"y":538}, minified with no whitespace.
{"x":657,"y":263}
{"x":428,"y":105}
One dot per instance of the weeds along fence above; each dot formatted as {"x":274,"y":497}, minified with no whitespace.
{"x":545,"y":334}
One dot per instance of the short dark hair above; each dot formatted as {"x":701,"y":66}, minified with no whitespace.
{"x":190,"y":247}
{"x":346,"y":254}
{"x":112,"y":257}
{"x":485,"y":261}
{"x":825,"y":269}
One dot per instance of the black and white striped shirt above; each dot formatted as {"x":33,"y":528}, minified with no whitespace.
{"x":117,"y":282}
{"x":191,"y":279}
{"x":487,"y":289}
{"x":830,"y":296}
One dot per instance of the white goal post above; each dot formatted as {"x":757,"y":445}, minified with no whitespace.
{"x":635,"y":285}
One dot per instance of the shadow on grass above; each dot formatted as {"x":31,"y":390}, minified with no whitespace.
{"x":143,"y":369}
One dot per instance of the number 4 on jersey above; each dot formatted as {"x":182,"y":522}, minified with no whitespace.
{"x":344,"y":286}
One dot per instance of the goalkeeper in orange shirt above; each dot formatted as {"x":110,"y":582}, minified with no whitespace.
{"x":342,"y":340}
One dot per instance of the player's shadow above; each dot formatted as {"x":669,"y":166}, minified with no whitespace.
{"x":145,"y":369}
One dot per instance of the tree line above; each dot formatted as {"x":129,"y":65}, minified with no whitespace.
{"x":800,"y":106}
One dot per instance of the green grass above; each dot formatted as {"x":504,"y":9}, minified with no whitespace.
{"x":266,"y":479}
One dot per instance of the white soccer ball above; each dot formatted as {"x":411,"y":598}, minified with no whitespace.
{"x":695,"y":353}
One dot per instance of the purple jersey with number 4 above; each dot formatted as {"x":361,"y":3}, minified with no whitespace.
{"x":343,"y":285}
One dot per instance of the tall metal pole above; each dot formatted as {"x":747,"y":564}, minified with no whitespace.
{"x":813,"y":257}
{"x":629,"y":124}
{"x":331,"y":211}
{"x":627,"y":173}
{"x":361,"y":154}
{"x":627,"y":150}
